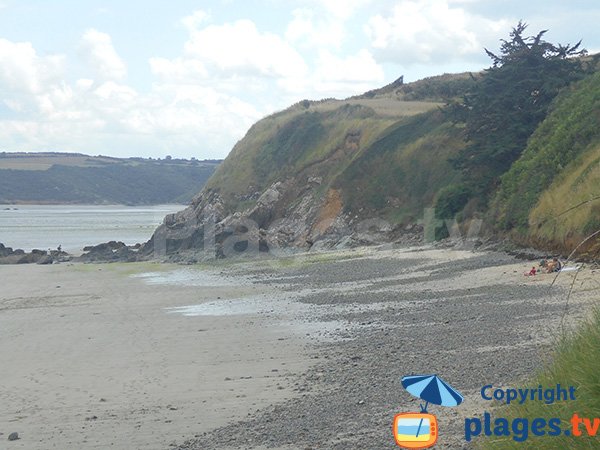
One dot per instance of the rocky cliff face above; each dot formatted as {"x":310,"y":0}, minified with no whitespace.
{"x":365,"y":170}
{"x":205,"y":231}
{"x":374,"y":168}
{"x":301,"y":211}
{"x":288,"y":182}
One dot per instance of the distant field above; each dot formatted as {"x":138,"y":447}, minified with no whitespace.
{"x":43,"y":161}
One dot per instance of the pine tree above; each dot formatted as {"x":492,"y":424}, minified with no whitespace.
{"x":508,"y":102}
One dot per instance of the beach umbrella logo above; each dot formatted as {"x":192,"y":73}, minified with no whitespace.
{"x":415,"y":430}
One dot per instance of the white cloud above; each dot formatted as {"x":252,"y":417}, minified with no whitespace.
{"x":240,"y":48}
{"x":22,"y":69}
{"x":360,"y":67}
{"x":193,"y":21}
{"x":98,"y":50}
{"x":343,"y":75}
{"x":433,"y":31}
{"x":109,"y":116}
{"x":240,"y":59}
{"x":84,"y":83}
{"x":114,"y":92}
{"x":342,"y":9}
{"x":55,"y":98}
{"x":178,"y":69}
{"x":200,"y":102}
{"x":314,"y":30}
{"x":323,"y":23}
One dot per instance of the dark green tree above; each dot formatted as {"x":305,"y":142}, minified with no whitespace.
{"x":506,"y":104}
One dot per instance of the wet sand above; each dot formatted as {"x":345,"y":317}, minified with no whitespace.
{"x":91,"y":357}
{"x":302,"y":352}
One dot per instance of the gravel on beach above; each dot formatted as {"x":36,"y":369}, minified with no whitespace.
{"x":397,"y":316}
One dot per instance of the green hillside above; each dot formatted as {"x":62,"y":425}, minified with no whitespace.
{"x":401,"y":172}
{"x":75,"y":178}
{"x":549,"y":194}
{"x":316,"y":139}
{"x":313,"y":137}
{"x":516,"y":145}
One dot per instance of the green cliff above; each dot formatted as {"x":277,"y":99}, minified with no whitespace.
{"x":516,"y":147}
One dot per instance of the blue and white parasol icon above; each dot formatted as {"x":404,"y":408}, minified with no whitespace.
{"x":432,"y":389}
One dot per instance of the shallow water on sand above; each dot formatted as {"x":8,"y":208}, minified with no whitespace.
{"x":281,"y":308}
{"x":224,"y":308}
{"x":190,"y":277}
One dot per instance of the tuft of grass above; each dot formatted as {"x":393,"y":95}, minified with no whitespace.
{"x":576,"y":362}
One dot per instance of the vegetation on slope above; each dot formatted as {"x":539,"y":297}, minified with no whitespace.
{"x":522,"y":133}
{"x":410,"y":160}
{"x":576,"y":363}
{"x":386,"y":149}
{"x":508,"y":102}
{"x":300,"y":142}
{"x":569,"y":210}
{"x":443,"y":88}
{"x":557,"y":169}
{"x":439,"y":88}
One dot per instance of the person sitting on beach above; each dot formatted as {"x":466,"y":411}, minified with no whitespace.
{"x":531,"y":273}
{"x":553,"y":266}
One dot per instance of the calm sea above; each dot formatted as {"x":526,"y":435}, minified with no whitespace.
{"x":75,"y":226}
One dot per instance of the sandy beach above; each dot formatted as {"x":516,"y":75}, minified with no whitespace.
{"x":93,"y":358}
{"x":300,"y":352}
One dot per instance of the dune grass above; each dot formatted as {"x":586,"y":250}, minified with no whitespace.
{"x":576,"y":362}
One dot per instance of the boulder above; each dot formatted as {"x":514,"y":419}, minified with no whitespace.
{"x":112,"y":251}
{"x":13,"y":436}
{"x":18,"y":256}
{"x":5,"y":251}
{"x":271,"y":195}
{"x":33,"y":257}
{"x":47,"y":259}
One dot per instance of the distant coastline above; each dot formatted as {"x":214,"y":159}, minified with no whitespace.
{"x":55,"y":178}
{"x":56,"y":203}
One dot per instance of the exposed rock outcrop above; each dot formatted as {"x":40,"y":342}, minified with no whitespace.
{"x":286,"y":216}
{"x":112,"y":251}
{"x":5,"y":251}
{"x":19,"y":256}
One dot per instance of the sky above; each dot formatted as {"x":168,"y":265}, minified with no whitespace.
{"x":188,"y":78}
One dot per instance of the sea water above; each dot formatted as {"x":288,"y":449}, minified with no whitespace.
{"x":76,"y":226}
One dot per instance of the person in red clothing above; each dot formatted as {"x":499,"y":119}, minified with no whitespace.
{"x":532,"y":272}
